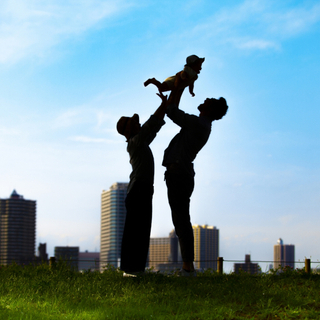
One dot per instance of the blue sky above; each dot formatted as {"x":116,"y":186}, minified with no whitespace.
{"x":70,"y":69}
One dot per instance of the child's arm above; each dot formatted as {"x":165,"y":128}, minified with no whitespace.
{"x":191,"y":86}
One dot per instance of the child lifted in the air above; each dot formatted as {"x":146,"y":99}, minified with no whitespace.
{"x":181,"y":80}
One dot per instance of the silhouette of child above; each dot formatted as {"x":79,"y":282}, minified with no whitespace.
{"x":181,"y":80}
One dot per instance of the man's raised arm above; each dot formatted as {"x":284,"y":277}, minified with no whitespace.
{"x":161,"y":111}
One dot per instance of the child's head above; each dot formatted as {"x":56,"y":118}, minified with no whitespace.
{"x":194,"y":62}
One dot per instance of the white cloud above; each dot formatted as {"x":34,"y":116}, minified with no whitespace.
{"x":94,"y":122}
{"x":102,"y":118}
{"x":295,"y":21}
{"x":92,"y":140}
{"x":252,"y":44}
{"x":249,"y":10}
{"x":69,"y":118}
{"x":287,"y":219}
{"x":31,"y":27}
{"x":258,"y":24}
{"x":4,"y":132}
{"x":83,"y":114}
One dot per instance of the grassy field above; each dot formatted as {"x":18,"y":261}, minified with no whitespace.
{"x":59,"y":293}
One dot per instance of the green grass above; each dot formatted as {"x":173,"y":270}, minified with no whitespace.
{"x":59,"y":293}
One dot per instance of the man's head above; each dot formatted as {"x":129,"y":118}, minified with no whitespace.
{"x":213,"y":109}
{"x":129,"y":126}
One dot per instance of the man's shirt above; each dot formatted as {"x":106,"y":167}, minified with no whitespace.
{"x":193,"y":135}
{"x":141,"y":157}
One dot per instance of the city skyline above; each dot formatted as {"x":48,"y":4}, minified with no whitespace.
{"x":69,"y":70}
{"x":112,"y":214}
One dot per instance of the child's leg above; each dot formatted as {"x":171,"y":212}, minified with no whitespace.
{"x":161,"y":86}
{"x":153,"y":81}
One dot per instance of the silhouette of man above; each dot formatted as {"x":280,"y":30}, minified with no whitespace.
{"x":136,"y":234}
{"x":178,"y":160}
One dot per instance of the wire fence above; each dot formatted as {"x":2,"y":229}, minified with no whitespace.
{"x":220,"y":264}
{"x":163,"y":261}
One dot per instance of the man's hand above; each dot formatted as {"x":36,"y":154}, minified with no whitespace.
{"x":160,"y":112}
{"x":163,"y":97}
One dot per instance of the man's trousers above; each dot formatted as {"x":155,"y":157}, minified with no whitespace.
{"x":136,"y":233}
{"x":180,"y":187}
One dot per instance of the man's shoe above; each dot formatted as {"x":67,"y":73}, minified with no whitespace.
{"x":133,"y":274}
{"x":129,"y":275}
{"x":185,"y":273}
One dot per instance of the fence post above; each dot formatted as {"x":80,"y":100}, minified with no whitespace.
{"x":220,"y":265}
{"x":307,"y":265}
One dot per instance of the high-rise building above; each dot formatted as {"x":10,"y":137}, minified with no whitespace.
{"x":113,"y":215}
{"x":175,"y":253}
{"x":164,"y":253}
{"x":159,"y":252}
{"x":247,"y":266}
{"x":89,"y":260}
{"x":69,"y":255}
{"x":17,"y":230}
{"x":42,"y":252}
{"x":283,"y":255}
{"x":206,"y":246}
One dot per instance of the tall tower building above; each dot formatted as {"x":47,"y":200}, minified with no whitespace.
{"x":175,"y":253}
{"x":159,"y":252}
{"x":206,"y":246}
{"x":70,"y":255}
{"x":42,"y":252}
{"x":164,"y":253}
{"x":247,"y":266}
{"x":17,"y":230}
{"x":89,"y":260}
{"x":113,"y":215}
{"x":283,"y":255}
